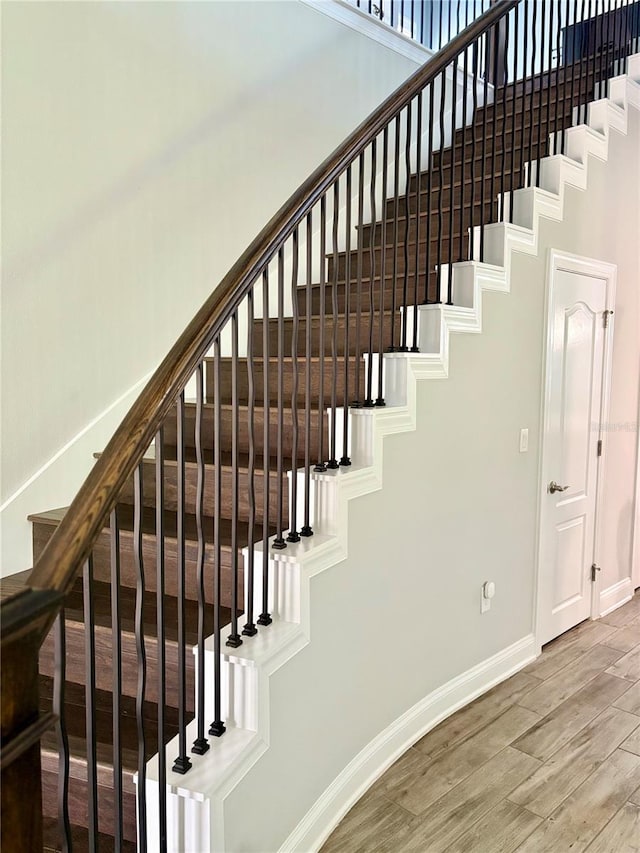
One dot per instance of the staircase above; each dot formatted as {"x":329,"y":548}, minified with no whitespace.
{"x":527,"y":135}
{"x":227,"y":459}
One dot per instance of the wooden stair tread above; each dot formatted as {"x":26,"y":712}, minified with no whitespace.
{"x":75,"y":707}
{"x":51,"y":842}
{"x":13,"y":585}
{"x":102,"y":612}
{"x":226,"y":459}
{"x":126,"y":522}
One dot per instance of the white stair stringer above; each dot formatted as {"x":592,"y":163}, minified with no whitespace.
{"x":195,"y":801}
{"x":559,"y":171}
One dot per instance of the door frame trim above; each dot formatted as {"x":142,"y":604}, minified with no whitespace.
{"x":635,"y":545}
{"x":558,"y":261}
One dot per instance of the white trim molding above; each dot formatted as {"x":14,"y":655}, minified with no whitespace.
{"x":370,"y":26}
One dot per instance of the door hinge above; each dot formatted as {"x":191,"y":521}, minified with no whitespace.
{"x":594,"y":569}
{"x":599,"y":447}
{"x":605,"y":318}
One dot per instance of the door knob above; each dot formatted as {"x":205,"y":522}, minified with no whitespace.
{"x":554,"y":487}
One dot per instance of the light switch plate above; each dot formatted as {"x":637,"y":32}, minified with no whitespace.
{"x":524,"y":440}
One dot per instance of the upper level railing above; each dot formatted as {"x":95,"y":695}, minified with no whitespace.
{"x":431,"y":23}
{"x":189,"y":502}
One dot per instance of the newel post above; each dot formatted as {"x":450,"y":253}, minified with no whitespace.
{"x":24,"y":620}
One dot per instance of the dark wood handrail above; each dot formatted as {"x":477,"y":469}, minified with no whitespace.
{"x":75,"y":537}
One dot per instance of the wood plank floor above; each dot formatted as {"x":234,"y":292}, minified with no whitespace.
{"x":546,"y":761}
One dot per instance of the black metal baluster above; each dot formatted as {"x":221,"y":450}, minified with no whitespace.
{"x":591,"y":55}
{"x":601,"y":40}
{"x":265,"y":616}
{"x":524,"y":90}
{"x":514,"y":147}
{"x":428,"y":262}
{"x":234,"y":639}
{"x":182,"y":762}
{"x":293,"y":535}
{"x":549,"y":88}
{"x":383,"y":266}
{"x":494,"y":72}
{"x":407,"y":211}
{"x":90,"y":703}
{"x":619,"y":21}
{"x":279,"y":541}
{"x":306,"y":529}
{"x":250,"y":629}
{"x":414,"y":336}
{"x":368,"y":402}
{"x":160,"y":631}
{"x":614,"y":46}
{"x":449,"y":21}
{"x":358,"y":348}
{"x":116,"y":650}
{"x":573,"y":59}
{"x":431,"y":17}
{"x":485,"y":111}
{"x":454,"y":84}
{"x":531,"y":105}
{"x":58,"y":708}
{"x":465,"y":77}
{"x":505,"y":76}
{"x":345,"y":459}
{"x":396,"y":202}
{"x":141,"y":657}
{"x":443,"y":93}
{"x":217,"y":727}
{"x":320,"y":465}
{"x":201,"y":744}
{"x":582,"y":99}
{"x":540,"y":121}
{"x":472,"y":200}
{"x":333,"y":450}
{"x":611,"y":44}
{"x":593,"y":59}
{"x":557,"y":132}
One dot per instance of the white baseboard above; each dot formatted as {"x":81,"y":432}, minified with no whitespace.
{"x":390,"y":744}
{"x":615,"y":596}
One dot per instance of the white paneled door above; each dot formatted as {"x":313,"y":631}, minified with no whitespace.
{"x":576,"y":347}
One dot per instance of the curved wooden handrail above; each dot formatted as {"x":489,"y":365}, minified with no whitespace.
{"x":75,"y":537}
